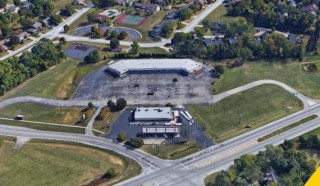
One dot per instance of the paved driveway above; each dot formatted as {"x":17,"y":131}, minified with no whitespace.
{"x":134,"y":34}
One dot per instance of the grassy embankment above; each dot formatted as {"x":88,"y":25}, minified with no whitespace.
{"x":172,"y":151}
{"x":290,"y":73}
{"x":58,"y":82}
{"x":47,"y":114}
{"x":245,"y":111}
{"x":42,"y":163}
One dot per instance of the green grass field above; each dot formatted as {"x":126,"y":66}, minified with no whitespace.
{"x":245,"y":111}
{"x":44,"y":113}
{"x":220,"y":14}
{"x":38,"y":163}
{"x":172,"y":151}
{"x":58,"y":82}
{"x":153,"y":50}
{"x":290,"y":73}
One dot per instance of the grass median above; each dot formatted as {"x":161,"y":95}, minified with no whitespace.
{"x":175,"y":151}
{"x":61,"y":164}
{"x":284,"y":129}
{"x":245,"y":111}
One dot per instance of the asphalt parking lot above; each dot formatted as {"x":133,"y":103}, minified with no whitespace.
{"x":144,"y":89}
{"x":121,"y":125}
{"x":87,"y":30}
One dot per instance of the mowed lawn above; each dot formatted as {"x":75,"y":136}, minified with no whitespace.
{"x":220,"y":14}
{"x":58,"y":82}
{"x":172,"y":151}
{"x":245,"y":111}
{"x":43,"y":113}
{"x":290,"y":73}
{"x":104,"y":125}
{"x":55,"y":164}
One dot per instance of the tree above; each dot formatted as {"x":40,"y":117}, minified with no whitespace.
{"x":69,"y":10}
{"x":114,"y":43}
{"x":121,"y":103}
{"x":219,"y":69}
{"x":66,"y":28}
{"x":104,"y":3}
{"x":6,"y":31}
{"x":90,"y":105}
{"x":107,"y":33}
{"x":122,"y":35}
{"x":93,"y":28}
{"x":92,"y":57}
{"x":184,"y":14}
{"x":111,"y":104}
{"x":99,"y":32}
{"x":200,"y":32}
{"x":17,"y":2}
{"x":91,"y":17}
{"x":136,"y":142}
{"x":134,"y":47}
{"x":111,"y":173}
{"x":62,"y":41}
{"x":114,"y":34}
{"x":3,"y":3}
{"x":48,"y":8}
{"x":121,"y":137}
{"x":55,"y":19}
{"x":14,"y":40}
{"x":25,"y":23}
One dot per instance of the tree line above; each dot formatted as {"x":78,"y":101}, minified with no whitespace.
{"x":289,"y":166}
{"x":274,"y":14}
{"x":15,"y":70}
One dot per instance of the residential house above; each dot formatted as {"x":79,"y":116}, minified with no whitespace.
{"x":295,"y":39}
{"x":172,"y":15}
{"x":46,"y":22}
{"x":26,"y":5}
{"x":150,"y":8}
{"x":125,"y":2}
{"x":167,"y":7}
{"x":311,"y":9}
{"x":156,"y":31}
{"x":217,"y":41}
{"x":21,"y":34}
{"x":201,"y":2}
{"x":3,"y":46}
{"x":216,"y":26}
{"x":161,"y":2}
{"x":207,"y":41}
{"x":233,"y":40}
{"x":13,"y":8}
{"x":35,"y":28}
{"x":79,"y":2}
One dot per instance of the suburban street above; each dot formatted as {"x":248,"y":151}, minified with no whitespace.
{"x":192,"y":169}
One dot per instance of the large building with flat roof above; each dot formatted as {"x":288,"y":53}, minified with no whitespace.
{"x":153,"y":114}
{"x":185,"y":66}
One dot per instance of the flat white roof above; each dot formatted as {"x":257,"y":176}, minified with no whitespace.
{"x":124,"y":66}
{"x":153,"y":130}
{"x":153,"y":113}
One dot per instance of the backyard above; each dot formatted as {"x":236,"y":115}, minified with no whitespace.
{"x":245,"y":111}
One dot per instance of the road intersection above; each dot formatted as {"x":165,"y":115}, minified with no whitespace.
{"x":192,"y":169}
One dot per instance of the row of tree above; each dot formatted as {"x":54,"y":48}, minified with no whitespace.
{"x":15,"y":70}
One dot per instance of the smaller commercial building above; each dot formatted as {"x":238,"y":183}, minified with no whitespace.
{"x":153,"y":114}
{"x":160,"y":130}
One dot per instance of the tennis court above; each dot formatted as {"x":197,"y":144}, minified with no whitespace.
{"x":135,"y":20}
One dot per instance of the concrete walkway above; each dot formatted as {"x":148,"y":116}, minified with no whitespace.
{"x":90,"y":123}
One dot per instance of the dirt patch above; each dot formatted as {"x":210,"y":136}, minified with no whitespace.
{"x":71,"y":117}
{"x":63,"y":91}
{"x":115,"y":160}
